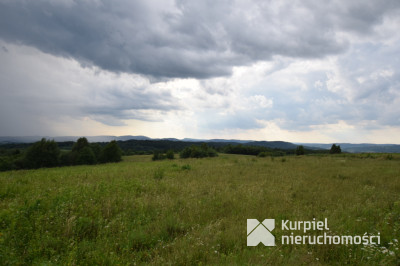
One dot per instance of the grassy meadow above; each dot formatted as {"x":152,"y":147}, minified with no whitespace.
{"x":194,"y":211}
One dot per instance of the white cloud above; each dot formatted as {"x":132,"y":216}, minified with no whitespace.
{"x":259,"y":101}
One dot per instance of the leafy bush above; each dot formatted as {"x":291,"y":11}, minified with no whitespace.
{"x":157,"y":156}
{"x":81,"y":153}
{"x":335,"y":149}
{"x":253,"y":150}
{"x":6,"y":164}
{"x":80,"y":144}
{"x":44,"y":153}
{"x":85,"y":156}
{"x":186,"y":167}
{"x":96,"y":148}
{"x":66,"y":158}
{"x":389,"y":157}
{"x":198,"y":151}
{"x":300,"y":150}
{"x":111,"y":153}
{"x":170,"y":154}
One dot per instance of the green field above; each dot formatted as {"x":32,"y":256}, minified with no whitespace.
{"x":194,"y":211}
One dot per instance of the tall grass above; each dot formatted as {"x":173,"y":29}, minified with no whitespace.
{"x":194,"y":211}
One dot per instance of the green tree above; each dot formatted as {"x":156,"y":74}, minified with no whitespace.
{"x":338,"y":149}
{"x":80,"y":144}
{"x":111,"y":153}
{"x":44,"y":153}
{"x":66,"y":158}
{"x":6,"y":164}
{"x":170,"y":154}
{"x":198,"y":151}
{"x":82,"y":152}
{"x":186,"y":152}
{"x":157,"y":155}
{"x":85,"y":156}
{"x":300,"y":150}
{"x":335,"y":149}
{"x":96,"y":148}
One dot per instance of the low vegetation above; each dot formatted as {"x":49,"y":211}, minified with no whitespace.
{"x":157,"y":155}
{"x":255,"y":150}
{"x":194,"y":211}
{"x":196,"y":151}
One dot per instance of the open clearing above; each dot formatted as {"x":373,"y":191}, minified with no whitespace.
{"x":194,"y":211}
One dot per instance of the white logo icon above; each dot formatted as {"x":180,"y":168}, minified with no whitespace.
{"x":260,"y":232}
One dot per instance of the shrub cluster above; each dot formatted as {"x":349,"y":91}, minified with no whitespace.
{"x":253,"y":150}
{"x":335,"y":149}
{"x":9,"y":162}
{"x":84,"y":152}
{"x":157,"y":155}
{"x":44,"y":153}
{"x":299,"y":150}
{"x":198,"y":151}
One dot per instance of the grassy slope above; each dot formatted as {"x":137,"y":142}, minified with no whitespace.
{"x":194,"y":211}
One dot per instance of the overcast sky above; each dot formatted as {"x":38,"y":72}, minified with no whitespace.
{"x":299,"y":71}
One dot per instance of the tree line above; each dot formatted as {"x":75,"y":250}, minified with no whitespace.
{"x":193,"y":151}
{"x":254,"y":150}
{"x":46,"y":153}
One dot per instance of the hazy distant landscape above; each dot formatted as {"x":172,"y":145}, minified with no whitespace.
{"x":346,"y":147}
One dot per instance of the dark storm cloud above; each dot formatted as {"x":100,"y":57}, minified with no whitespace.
{"x":356,"y":16}
{"x":188,"y":38}
{"x":134,"y":103}
{"x":37,"y":89}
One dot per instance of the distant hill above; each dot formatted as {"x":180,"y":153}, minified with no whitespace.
{"x":273,"y":144}
{"x":133,"y":137}
{"x":359,"y":148}
{"x":229,"y":140}
{"x":346,"y":147}
{"x":193,"y":140}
